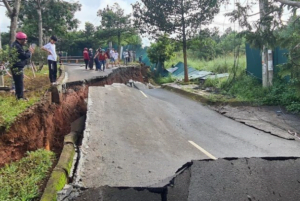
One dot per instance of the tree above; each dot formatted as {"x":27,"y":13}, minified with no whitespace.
{"x":89,"y":30}
{"x":39,"y":6}
{"x":161,"y":51}
{"x":57,"y":18}
{"x":114,"y":23}
{"x":262,"y":33}
{"x":13,"y":9}
{"x":182,"y":18}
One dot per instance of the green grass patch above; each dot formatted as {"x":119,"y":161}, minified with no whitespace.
{"x":35,"y":87}
{"x":10,"y":108}
{"x":164,"y":80}
{"x":21,"y":180}
{"x":218,"y":65}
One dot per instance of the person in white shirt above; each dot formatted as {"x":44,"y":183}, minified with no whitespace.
{"x":116,"y":58}
{"x":126,"y":56}
{"x":52,"y":59}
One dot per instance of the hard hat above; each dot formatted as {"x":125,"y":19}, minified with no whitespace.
{"x":85,"y":48}
{"x":21,"y":36}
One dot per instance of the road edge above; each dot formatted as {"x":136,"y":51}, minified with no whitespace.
{"x":60,"y":174}
{"x":206,"y":100}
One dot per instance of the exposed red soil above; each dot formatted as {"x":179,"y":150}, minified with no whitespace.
{"x":45,"y":124}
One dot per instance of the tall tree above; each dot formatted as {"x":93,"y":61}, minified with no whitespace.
{"x":114,"y":23}
{"x":182,"y":18}
{"x":39,"y":5}
{"x":13,"y":9}
{"x":161,"y":51}
{"x":58,"y":17}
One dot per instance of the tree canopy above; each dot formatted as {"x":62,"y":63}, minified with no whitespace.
{"x":180,"y":18}
{"x":58,"y":18}
{"x":114,"y":23}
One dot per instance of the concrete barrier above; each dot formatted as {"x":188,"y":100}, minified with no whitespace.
{"x":60,"y":175}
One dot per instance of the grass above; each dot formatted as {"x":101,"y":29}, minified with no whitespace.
{"x":163,"y":80}
{"x":10,"y":108}
{"x":218,"y":65}
{"x":22,"y":180}
{"x":243,"y":87}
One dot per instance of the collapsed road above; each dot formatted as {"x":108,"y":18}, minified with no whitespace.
{"x":135,"y":141}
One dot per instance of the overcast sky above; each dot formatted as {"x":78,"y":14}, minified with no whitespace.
{"x":89,"y":10}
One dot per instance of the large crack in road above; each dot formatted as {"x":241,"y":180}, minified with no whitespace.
{"x":132,"y":147}
{"x":223,"y":179}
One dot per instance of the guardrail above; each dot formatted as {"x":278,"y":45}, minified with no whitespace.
{"x":72,"y":59}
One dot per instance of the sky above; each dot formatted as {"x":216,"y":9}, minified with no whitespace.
{"x":89,"y":10}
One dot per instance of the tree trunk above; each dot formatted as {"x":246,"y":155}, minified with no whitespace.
{"x":186,"y":76}
{"x":264,"y":52}
{"x":119,"y":45}
{"x":14,"y":20}
{"x":39,"y":12}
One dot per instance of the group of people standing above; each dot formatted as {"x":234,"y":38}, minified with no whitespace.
{"x":129,"y":56}
{"x":17,"y":68}
{"x":101,"y":58}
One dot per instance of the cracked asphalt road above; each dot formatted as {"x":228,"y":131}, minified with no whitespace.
{"x":134,"y":139}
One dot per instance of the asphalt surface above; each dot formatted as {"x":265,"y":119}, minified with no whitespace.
{"x":129,"y":140}
{"x":77,"y":72}
{"x":139,"y":138}
{"x":219,"y":135}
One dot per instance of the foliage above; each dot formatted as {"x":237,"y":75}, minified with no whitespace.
{"x":21,"y":180}
{"x":289,"y":37}
{"x":262,"y":31}
{"x":164,"y":80}
{"x":180,"y":18}
{"x":5,"y":37}
{"x":10,"y":108}
{"x":7,"y":58}
{"x":114,"y":24}
{"x":58,"y":19}
{"x":221,"y":64}
{"x":282,"y":93}
{"x":39,"y":57}
{"x":161,"y":51}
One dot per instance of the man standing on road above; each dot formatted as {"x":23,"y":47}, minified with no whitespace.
{"x":86,"y":57}
{"x":52,"y":59}
{"x":17,"y":68}
{"x":126,"y":56}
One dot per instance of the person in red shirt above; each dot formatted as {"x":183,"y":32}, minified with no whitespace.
{"x":86,"y":57}
{"x":102,"y":59}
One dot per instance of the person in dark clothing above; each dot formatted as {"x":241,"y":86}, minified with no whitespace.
{"x":91,"y":61}
{"x":86,"y":57}
{"x":96,"y":59}
{"x":17,"y":68}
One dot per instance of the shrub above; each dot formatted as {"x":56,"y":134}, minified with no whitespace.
{"x":39,"y":57}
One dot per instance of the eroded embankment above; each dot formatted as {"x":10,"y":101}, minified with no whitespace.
{"x":45,"y":124}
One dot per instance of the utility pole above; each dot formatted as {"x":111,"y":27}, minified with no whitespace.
{"x":264,"y":52}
